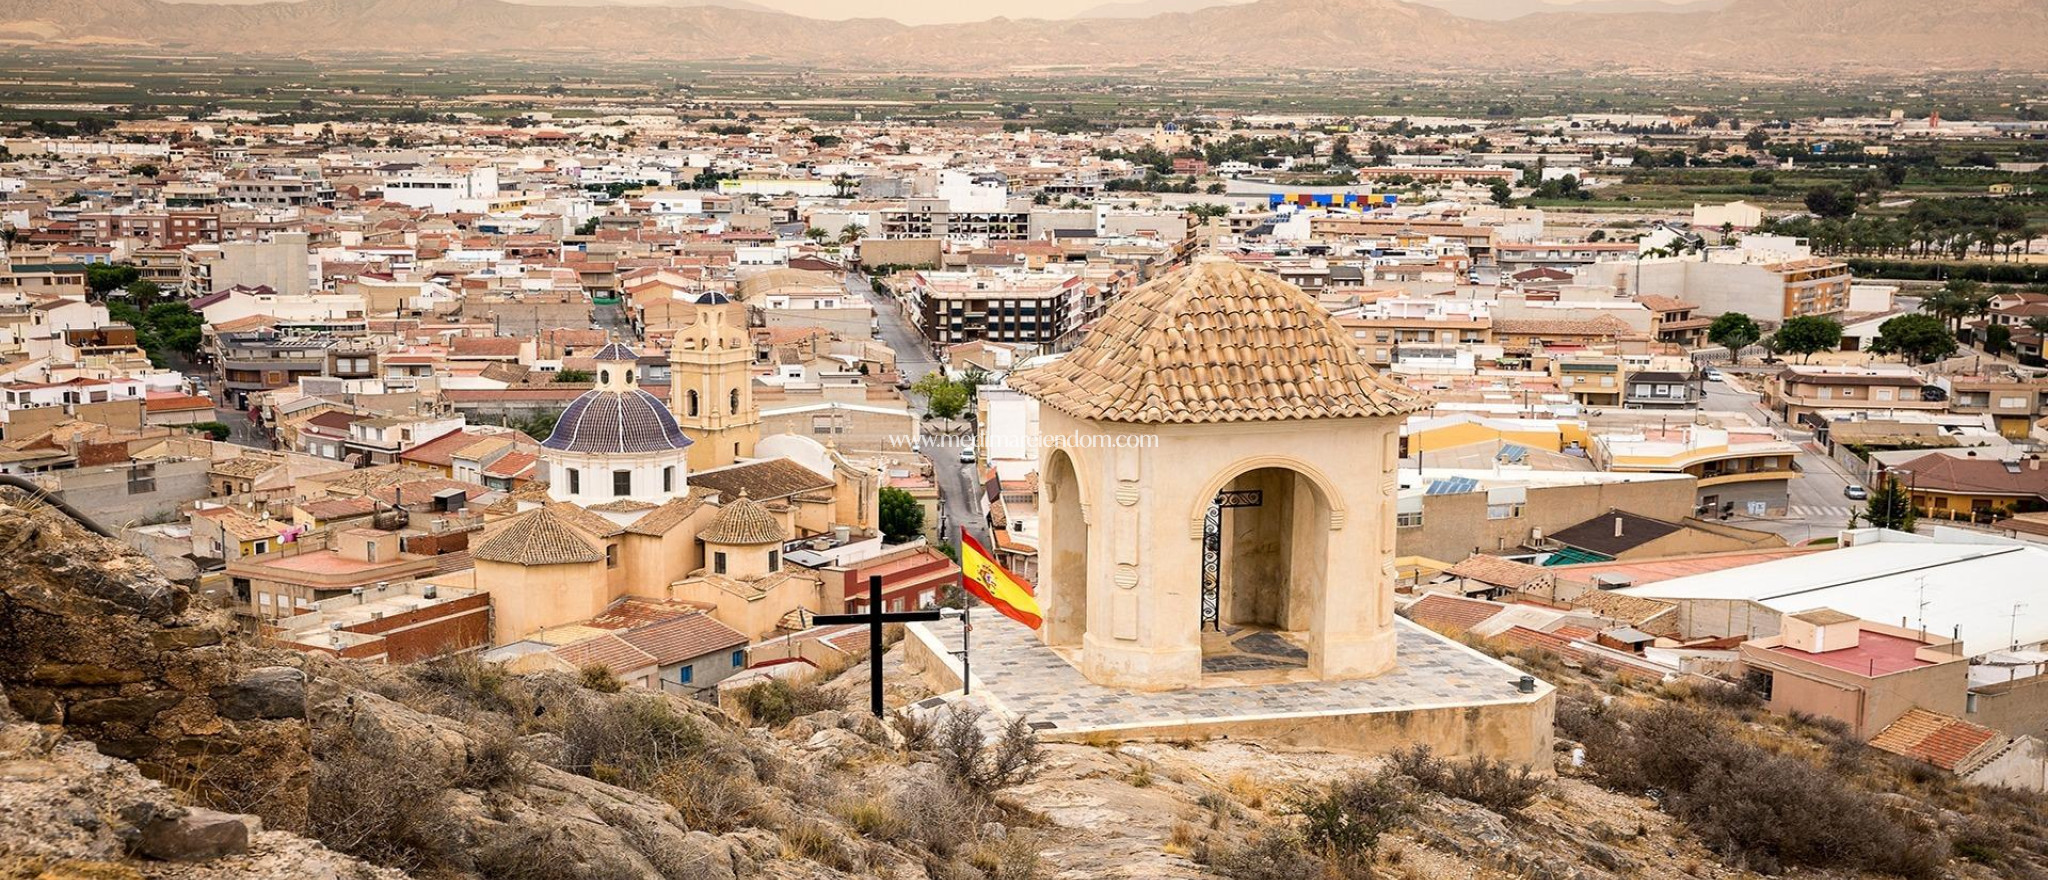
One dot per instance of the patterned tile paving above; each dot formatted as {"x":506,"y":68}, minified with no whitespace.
{"x":1017,"y":674}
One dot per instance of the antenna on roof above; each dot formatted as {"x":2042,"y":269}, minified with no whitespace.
{"x":1922,"y":582}
{"x":2013,"y":633}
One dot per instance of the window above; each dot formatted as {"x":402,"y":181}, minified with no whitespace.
{"x":622,"y":483}
{"x":774,"y":560}
{"x":718,"y":562}
{"x":734,"y":395}
{"x":689,"y":401}
{"x":1503,"y":511}
{"x":575,"y":482}
{"x":739,"y":658}
{"x":686,"y":674}
{"x":604,"y":376}
{"x":1408,"y":520}
{"x":668,"y":479}
{"x":611,"y":556}
{"x":262,"y":547}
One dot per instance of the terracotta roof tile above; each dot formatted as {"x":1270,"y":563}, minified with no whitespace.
{"x":742,"y":521}
{"x":1945,"y":741}
{"x":762,"y":480}
{"x":541,"y":537}
{"x":1215,"y":342}
{"x":685,"y":638}
{"x":1450,"y":613}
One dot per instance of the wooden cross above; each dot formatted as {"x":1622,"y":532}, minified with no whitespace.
{"x":874,"y":617}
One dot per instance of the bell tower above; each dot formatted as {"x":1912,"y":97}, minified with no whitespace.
{"x":711,"y":386}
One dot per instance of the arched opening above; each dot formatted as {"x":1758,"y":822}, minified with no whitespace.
{"x":734,"y":398}
{"x":1063,"y":554}
{"x":690,"y":401}
{"x":603,"y":376}
{"x":1264,"y":570}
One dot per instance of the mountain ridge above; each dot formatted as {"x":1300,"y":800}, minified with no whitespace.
{"x":1745,"y":35}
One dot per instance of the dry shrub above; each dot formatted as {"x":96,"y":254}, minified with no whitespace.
{"x":630,"y":741}
{"x":494,"y":759}
{"x":916,"y":728}
{"x":967,"y":758}
{"x":1495,"y":785}
{"x":376,"y":801}
{"x":775,"y":702}
{"x":1767,"y":811}
{"x":820,"y":842}
{"x":599,"y":677}
{"x":1272,"y":852}
{"x":1343,"y":822}
{"x":1013,"y":856}
{"x":707,"y":795}
{"x":475,"y":683}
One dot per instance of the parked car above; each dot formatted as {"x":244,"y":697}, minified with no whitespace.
{"x":1713,"y":375}
{"x":1855,"y":493}
{"x":967,"y":455}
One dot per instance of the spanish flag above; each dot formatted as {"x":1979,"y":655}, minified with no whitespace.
{"x":991,"y":583}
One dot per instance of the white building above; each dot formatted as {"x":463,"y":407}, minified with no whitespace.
{"x":616,"y":442}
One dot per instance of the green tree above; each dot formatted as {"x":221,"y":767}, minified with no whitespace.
{"x":143,"y":293}
{"x":943,"y":398}
{"x":588,"y":227}
{"x":1734,"y":331}
{"x":572,"y":376}
{"x":538,"y":425}
{"x":1919,"y":338}
{"x":145,"y":170}
{"x":1890,"y":506}
{"x":1997,"y":339}
{"x":901,"y":515}
{"x":103,"y":277}
{"x":1830,"y":203}
{"x":1502,"y":194}
{"x":218,"y":430}
{"x":1807,"y":334}
{"x":817,"y":235}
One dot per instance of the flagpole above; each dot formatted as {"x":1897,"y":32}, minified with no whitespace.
{"x":966,"y":664}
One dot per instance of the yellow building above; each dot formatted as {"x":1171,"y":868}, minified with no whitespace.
{"x":711,"y":387}
{"x":1424,"y":433}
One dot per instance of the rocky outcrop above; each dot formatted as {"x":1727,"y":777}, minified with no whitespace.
{"x":68,"y":811}
{"x":95,"y":640}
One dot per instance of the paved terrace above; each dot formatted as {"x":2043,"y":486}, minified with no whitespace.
{"x":1016,"y":674}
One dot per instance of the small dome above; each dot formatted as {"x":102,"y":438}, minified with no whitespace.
{"x":616,"y":422}
{"x":615,"y":352}
{"x":743,"y":521}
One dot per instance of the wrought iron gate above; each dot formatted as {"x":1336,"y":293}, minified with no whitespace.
{"x":1212,"y":551}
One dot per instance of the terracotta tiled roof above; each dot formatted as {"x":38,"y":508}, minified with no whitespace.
{"x":661,"y":519}
{"x":609,"y":651}
{"x":1945,"y":741}
{"x":1450,"y":613}
{"x":590,"y":523}
{"x":1498,"y":571}
{"x":742,"y":521}
{"x":762,"y":480}
{"x":685,"y":638}
{"x":1215,"y":342}
{"x":538,"y":538}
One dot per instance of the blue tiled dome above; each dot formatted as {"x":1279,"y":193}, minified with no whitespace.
{"x":616,"y":422}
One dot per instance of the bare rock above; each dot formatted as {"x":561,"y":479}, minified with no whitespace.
{"x":271,"y":692}
{"x":189,"y":834}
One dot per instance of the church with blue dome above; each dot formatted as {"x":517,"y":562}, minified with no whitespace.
{"x":617,"y":441}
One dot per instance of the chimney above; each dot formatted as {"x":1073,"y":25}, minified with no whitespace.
{"x":1617,"y":527}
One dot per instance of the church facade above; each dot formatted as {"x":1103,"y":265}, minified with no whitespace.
{"x":667,"y":501}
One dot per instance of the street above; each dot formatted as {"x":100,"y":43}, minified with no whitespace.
{"x":1816,"y":508}
{"x":959,"y":484}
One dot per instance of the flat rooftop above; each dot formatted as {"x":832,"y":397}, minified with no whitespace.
{"x":1875,"y":654}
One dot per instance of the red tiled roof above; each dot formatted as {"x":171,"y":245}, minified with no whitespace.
{"x":685,"y":638}
{"x":1450,"y":613}
{"x":1942,"y":740}
{"x":616,"y":654}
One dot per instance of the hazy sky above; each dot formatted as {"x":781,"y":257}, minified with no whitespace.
{"x":937,"y":11}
